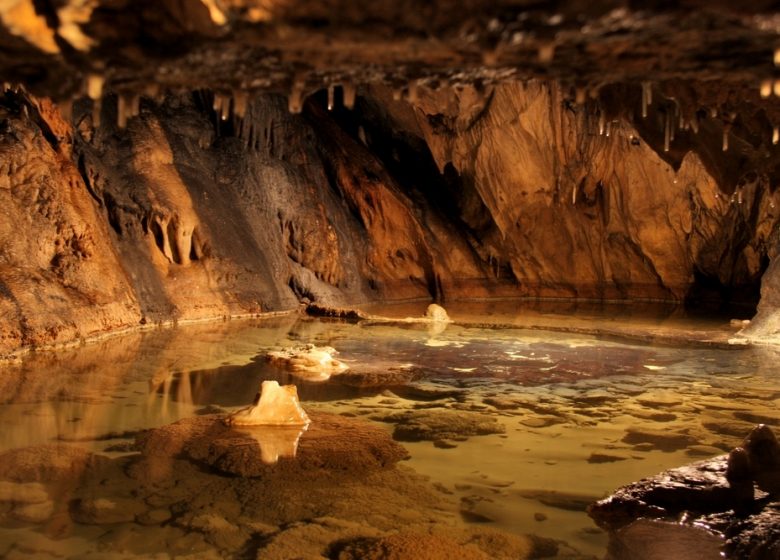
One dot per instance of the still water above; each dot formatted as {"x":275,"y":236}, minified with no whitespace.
{"x":513,"y":429}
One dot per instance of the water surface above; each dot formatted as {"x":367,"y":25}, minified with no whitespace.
{"x":577,"y":415}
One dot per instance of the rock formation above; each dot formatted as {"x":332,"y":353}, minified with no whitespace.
{"x":274,"y":405}
{"x":310,"y":362}
{"x":689,"y":509}
{"x":246,"y":156}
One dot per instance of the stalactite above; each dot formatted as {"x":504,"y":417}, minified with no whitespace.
{"x":413,"y":94}
{"x":580,"y":95}
{"x":608,"y":129}
{"x":667,"y":134}
{"x":574,"y":194}
{"x":777,"y":57}
{"x":398,"y":93}
{"x":726,"y":129}
{"x":546,"y":53}
{"x":775,"y":135}
{"x":349,"y":92}
{"x":739,"y":195}
{"x":776,"y":88}
{"x":221,"y":106}
{"x":95,"y":86}
{"x":331,"y":96}
{"x":295,"y":99}
{"x":766,"y":88}
{"x":601,"y":123}
{"x":66,"y":109}
{"x":695,"y":124}
{"x":127,"y":106}
{"x":647,"y":97}
{"x":672,"y":123}
{"x":240,"y":103}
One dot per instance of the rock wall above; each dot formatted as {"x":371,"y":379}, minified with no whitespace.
{"x":192,"y":212}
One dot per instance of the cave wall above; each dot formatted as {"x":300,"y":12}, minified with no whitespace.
{"x":192,"y":212}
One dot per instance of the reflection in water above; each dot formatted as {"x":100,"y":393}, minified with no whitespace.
{"x":275,"y":441}
{"x":579,"y":416}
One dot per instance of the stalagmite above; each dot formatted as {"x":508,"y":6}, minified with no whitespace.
{"x":775,"y":135}
{"x":331,"y":96}
{"x":274,"y":405}
{"x":766,"y":88}
{"x":349,"y":92}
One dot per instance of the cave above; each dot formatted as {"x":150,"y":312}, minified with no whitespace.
{"x":487,"y":261}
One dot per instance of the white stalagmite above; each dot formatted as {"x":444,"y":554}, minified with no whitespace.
{"x":274,"y":405}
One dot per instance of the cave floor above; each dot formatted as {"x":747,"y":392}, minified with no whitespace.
{"x":507,"y":428}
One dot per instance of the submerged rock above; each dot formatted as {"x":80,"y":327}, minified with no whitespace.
{"x":332,"y":443}
{"x":438,"y":425}
{"x":274,"y":406}
{"x":313,"y":363}
{"x":712,"y":497}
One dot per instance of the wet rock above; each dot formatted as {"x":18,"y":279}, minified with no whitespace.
{"x":437,"y":314}
{"x":409,"y":545}
{"x":390,"y":375}
{"x":432,"y":425}
{"x":47,"y":463}
{"x":559,"y":500}
{"x":717,"y":493}
{"x":660,"y":440}
{"x":33,"y":512}
{"x":331,"y":443}
{"x":308,"y":361}
{"x":598,"y":458}
{"x":103,"y":511}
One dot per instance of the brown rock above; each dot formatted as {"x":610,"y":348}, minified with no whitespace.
{"x":331,"y":443}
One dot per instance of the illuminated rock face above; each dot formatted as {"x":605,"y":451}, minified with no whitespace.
{"x":313,"y":363}
{"x":275,"y":406}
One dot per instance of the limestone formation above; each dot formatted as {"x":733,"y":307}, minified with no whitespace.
{"x":437,"y":314}
{"x":715,"y":497}
{"x":310,"y":362}
{"x":274,"y":406}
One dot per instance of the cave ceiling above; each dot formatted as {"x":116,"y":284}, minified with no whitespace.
{"x":53,"y":46}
